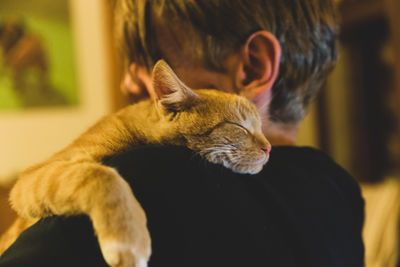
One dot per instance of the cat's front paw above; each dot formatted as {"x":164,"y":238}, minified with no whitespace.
{"x":118,"y":254}
{"x":121,"y":226}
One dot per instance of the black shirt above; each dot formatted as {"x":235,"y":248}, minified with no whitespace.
{"x":301,"y":210}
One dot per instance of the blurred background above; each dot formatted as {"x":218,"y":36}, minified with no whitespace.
{"x":59,"y":73}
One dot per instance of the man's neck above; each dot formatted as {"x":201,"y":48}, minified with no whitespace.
{"x":280,"y":134}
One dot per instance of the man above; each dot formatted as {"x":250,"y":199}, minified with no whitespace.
{"x":301,"y":210}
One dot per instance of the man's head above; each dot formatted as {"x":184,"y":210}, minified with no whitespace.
{"x":296,"y":37}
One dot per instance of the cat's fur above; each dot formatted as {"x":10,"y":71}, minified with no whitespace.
{"x":221,"y":127}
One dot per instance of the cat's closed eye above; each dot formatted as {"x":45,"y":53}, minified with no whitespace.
{"x":241,"y":127}
{"x":231,"y":130}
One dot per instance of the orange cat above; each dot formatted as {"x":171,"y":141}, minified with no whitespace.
{"x":223,"y":128}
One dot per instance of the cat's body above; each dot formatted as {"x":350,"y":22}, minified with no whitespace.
{"x":223,"y":128}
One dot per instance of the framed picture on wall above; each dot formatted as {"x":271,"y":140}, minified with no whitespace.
{"x":55,"y":76}
{"x":37,"y":62}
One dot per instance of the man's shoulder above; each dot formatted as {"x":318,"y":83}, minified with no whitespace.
{"x":289,"y":168}
{"x":286,"y":163}
{"x":308,"y":174}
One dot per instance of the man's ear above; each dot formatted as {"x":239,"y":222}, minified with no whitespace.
{"x":170,"y":91}
{"x":137,"y":82}
{"x":259,"y":68}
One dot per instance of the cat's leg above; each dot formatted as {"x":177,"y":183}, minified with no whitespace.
{"x":12,"y":233}
{"x":90,"y":188}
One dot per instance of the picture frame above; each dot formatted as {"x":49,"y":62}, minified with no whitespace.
{"x":28,"y":136}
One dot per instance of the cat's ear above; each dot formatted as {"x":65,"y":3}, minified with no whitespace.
{"x":171,"y":92}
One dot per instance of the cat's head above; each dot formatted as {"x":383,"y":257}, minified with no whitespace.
{"x":223,"y":128}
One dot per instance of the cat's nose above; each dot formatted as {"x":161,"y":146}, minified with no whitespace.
{"x":266,"y":150}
